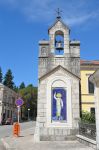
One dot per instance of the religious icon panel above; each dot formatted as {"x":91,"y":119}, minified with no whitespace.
{"x":58,"y":104}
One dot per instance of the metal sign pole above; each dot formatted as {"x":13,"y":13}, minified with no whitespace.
{"x":19,"y":102}
{"x":16,"y":130}
{"x":18,"y":113}
{"x":28,"y":114}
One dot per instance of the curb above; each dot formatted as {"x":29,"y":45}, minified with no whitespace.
{"x":5,"y":144}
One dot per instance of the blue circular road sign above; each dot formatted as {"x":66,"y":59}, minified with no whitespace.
{"x":19,"y":102}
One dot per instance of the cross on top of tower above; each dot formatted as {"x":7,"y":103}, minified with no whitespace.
{"x":59,"y":12}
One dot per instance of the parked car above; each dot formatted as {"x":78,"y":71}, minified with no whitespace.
{"x":9,"y":121}
{"x":3,"y":122}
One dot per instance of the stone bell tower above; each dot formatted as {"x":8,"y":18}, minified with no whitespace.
{"x":58,"y":89}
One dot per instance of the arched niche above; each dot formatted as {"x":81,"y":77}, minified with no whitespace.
{"x":58,"y":85}
{"x":43,"y":51}
{"x":58,"y":101}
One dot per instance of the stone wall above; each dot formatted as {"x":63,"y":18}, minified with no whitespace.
{"x":69,"y":60}
{"x":47,"y":64}
{"x":52,"y":68}
{"x":46,"y":131}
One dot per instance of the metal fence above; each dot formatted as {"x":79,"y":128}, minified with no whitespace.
{"x":87,"y":130}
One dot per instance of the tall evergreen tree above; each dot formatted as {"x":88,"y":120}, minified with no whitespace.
{"x":1,"y":77}
{"x":15,"y":88}
{"x":8,"y":79}
{"x":22,"y":85}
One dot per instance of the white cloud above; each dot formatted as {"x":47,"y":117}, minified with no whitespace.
{"x":74,"y":11}
{"x":81,"y":19}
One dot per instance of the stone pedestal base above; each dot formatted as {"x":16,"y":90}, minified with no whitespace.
{"x":54,"y":134}
{"x":57,"y":134}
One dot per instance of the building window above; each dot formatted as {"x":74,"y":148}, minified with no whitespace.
{"x":43,"y":51}
{"x":11,"y":113}
{"x":92,"y":110}
{"x":91,"y":87}
{"x":8,"y":114}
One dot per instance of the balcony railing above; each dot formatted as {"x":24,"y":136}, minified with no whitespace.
{"x":87,"y":130}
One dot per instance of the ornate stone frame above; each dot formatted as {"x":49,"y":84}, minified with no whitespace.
{"x":67,"y":85}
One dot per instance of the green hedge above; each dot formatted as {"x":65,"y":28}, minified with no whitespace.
{"x":88,"y":117}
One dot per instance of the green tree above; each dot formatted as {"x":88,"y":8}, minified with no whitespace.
{"x":29,"y":95}
{"x":15,"y":88}
{"x":1,"y":76}
{"x":88,"y":117}
{"x":8,"y":79}
{"x":22,"y":85}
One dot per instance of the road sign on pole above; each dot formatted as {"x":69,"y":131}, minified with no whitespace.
{"x":19,"y":102}
{"x":16,"y":130}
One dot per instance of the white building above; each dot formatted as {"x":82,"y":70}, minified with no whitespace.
{"x":7,"y":102}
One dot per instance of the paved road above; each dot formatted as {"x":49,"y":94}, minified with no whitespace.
{"x":6,"y":130}
{"x":25,"y":141}
{"x":1,"y":146}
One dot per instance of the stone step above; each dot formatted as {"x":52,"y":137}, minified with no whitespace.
{"x":58,"y":138}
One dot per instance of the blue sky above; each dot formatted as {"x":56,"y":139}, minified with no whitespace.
{"x":24,"y":22}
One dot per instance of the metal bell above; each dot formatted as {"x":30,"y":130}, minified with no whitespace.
{"x":59,"y":45}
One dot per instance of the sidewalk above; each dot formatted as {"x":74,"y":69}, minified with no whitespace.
{"x":25,"y":142}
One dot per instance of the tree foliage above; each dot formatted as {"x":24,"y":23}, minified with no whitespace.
{"x":15,"y":88}
{"x":1,"y":76}
{"x":22,"y":85}
{"x":29,"y":95}
{"x":8,"y":79}
{"x":88,"y":117}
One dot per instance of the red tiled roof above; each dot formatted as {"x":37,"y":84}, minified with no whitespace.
{"x":93,"y":62}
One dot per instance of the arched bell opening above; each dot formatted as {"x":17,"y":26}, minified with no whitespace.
{"x":59,"y":42}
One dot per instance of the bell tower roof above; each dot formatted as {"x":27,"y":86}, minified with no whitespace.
{"x":58,"y":19}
